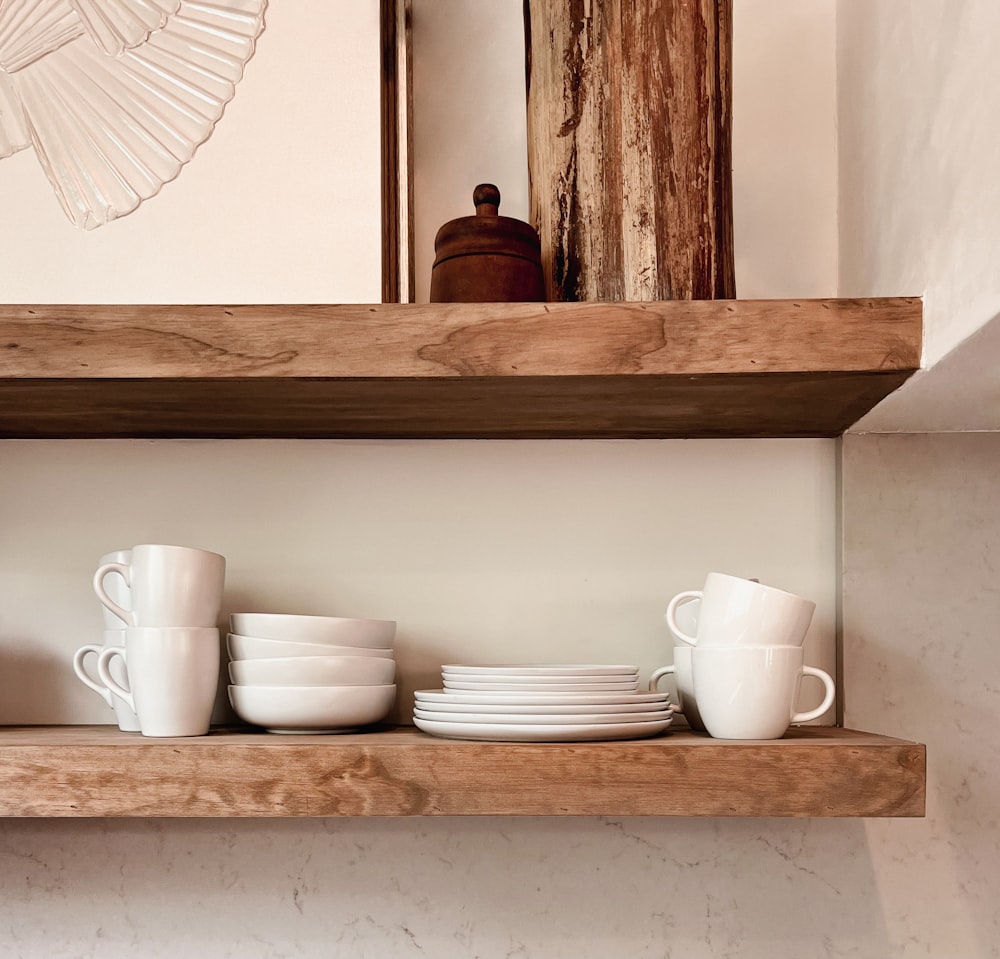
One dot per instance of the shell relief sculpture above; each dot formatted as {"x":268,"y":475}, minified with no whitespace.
{"x":115,"y":96}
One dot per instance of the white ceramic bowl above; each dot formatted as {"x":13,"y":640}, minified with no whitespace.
{"x":312,"y":709}
{"x":313,"y":671}
{"x":253,"y":647}
{"x":370,"y":633}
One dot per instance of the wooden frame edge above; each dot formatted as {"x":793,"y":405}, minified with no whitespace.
{"x":397,"y":151}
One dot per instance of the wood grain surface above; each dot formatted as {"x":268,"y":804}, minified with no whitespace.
{"x":98,"y":771}
{"x":705,"y":368}
{"x":630,"y":147}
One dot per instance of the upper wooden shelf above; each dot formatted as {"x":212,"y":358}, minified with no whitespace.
{"x":712,"y":368}
{"x":100,"y":771}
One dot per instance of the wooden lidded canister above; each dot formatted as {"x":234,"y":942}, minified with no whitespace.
{"x":487,"y":258}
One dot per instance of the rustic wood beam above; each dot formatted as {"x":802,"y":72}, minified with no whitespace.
{"x":630,"y":147}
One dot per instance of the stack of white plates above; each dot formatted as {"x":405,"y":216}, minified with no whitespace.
{"x":539,"y":703}
{"x":311,"y":674}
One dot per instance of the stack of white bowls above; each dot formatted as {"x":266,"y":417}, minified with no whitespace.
{"x":291,"y":673}
{"x":541,"y":703}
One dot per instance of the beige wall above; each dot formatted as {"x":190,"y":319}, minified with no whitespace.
{"x":275,"y":207}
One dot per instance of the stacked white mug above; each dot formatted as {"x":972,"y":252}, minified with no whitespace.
{"x":171,"y":638}
{"x":114,"y":635}
{"x":747,"y":660}
{"x":686,"y":615}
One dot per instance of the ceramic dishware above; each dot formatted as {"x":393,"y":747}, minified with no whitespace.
{"x":528,"y":681}
{"x":552,"y":688}
{"x":314,"y":671}
{"x":750,"y":692}
{"x":686,"y":616}
{"x":312,"y":709}
{"x":533,"y":699}
{"x":687,"y":703}
{"x":561,"y":702}
{"x":169,"y":586}
{"x":542,"y":732}
{"x":742,"y":612}
{"x":117,"y":589}
{"x":253,"y":647}
{"x":124,"y":714}
{"x":542,"y":718}
{"x":445,"y":705}
{"x":526,"y":672}
{"x":338,"y":630}
{"x":173,"y":674}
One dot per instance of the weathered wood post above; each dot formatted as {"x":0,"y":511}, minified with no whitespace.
{"x":629,"y":147}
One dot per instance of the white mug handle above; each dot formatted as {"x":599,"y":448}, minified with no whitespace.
{"x":125,"y":615}
{"x":831,"y":691}
{"x":672,"y":620}
{"x":78,"y":658}
{"x":654,"y":685}
{"x":104,"y":671}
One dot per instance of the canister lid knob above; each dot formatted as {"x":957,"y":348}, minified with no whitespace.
{"x":487,"y":199}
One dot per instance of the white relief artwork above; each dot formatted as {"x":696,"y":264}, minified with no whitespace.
{"x":115,"y":96}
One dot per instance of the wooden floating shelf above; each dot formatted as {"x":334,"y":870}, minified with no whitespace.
{"x":708,"y":368}
{"x":98,"y":771}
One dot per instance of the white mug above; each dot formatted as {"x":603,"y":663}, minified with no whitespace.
{"x":681,"y":671}
{"x":117,"y":590}
{"x":173,"y":673}
{"x":750,"y":692}
{"x":742,"y":612}
{"x":127,"y":720}
{"x":169,"y":586}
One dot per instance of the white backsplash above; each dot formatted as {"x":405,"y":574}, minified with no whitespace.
{"x":922,"y":661}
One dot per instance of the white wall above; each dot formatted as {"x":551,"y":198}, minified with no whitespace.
{"x":481,"y":550}
{"x":920,"y":201}
{"x":919,"y":198}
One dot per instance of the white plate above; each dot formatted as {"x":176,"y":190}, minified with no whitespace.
{"x":445,"y":705}
{"x":514,"y":680}
{"x":560,"y":688}
{"x":541,"y":670}
{"x":543,"y":719}
{"x":542,"y":733}
{"x":536,"y":698}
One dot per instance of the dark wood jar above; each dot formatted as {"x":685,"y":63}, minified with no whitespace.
{"x":487,"y":258}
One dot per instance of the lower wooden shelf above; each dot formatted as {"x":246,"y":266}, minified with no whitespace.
{"x":99,"y":771}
